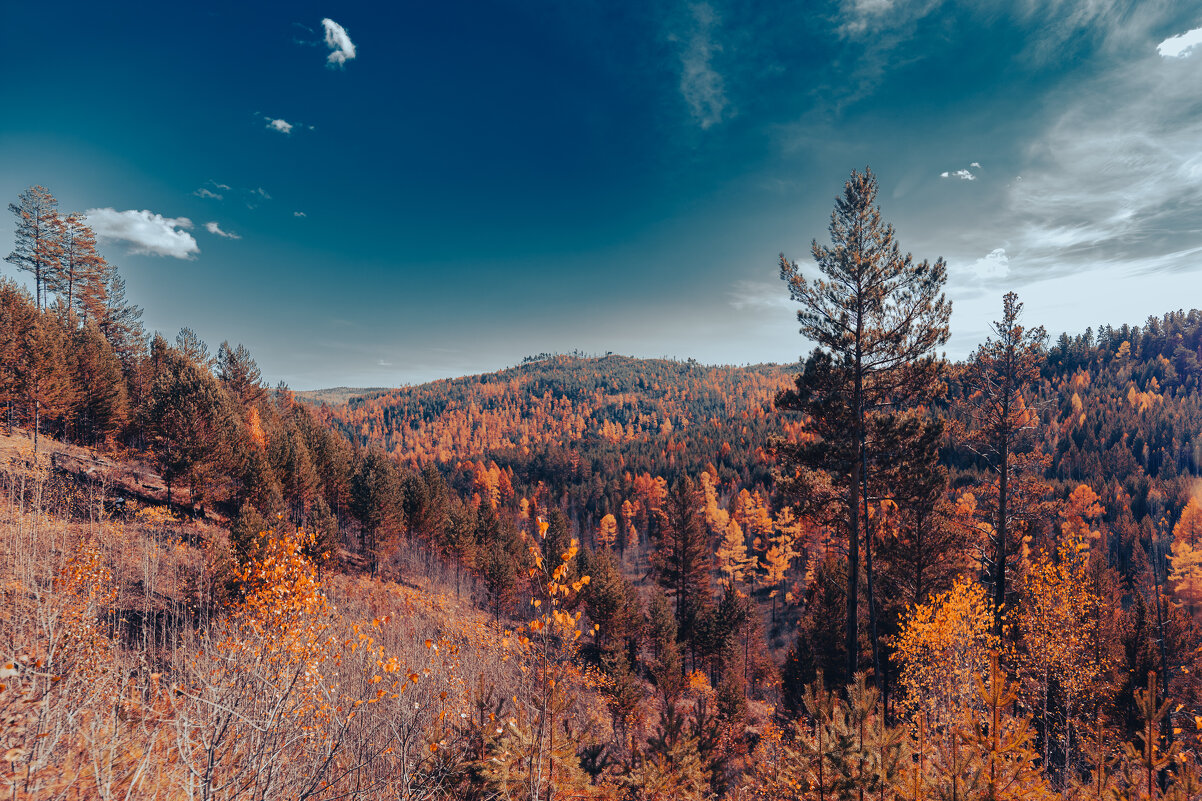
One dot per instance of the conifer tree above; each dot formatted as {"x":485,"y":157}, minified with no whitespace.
{"x":240,"y":375}
{"x":103,"y":404}
{"x":80,"y":275}
{"x":46,"y":383}
{"x":682,"y":558}
{"x":121,"y":323}
{"x":16,"y":317}
{"x":672,"y":767}
{"x":876,"y":317}
{"x":38,"y":248}
{"x":1002,"y":371}
{"x":189,"y":420}
{"x":376,"y":503}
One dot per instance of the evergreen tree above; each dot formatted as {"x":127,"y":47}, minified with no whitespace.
{"x":102,"y":408}
{"x":671,"y":769}
{"x":683,"y":555}
{"x":38,"y":246}
{"x":1002,"y":371}
{"x":876,"y":317}
{"x":189,"y":419}
{"x":376,"y":503}
{"x":240,"y":375}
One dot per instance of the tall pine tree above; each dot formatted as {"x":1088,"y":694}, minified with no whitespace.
{"x":876,"y":317}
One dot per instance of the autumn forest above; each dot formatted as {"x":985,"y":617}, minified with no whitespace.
{"x":873,"y":574}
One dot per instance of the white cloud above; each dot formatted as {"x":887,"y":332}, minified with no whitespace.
{"x":700,"y":84}
{"x":992,"y":267}
{"x":261,"y":192}
{"x":205,"y":192}
{"x":145,"y":232}
{"x":963,"y":175}
{"x":1181,"y":45}
{"x":298,"y":214}
{"x":976,"y":164}
{"x":283,"y":126}
{"x":215,"y":229}
{"x":343,"y":49}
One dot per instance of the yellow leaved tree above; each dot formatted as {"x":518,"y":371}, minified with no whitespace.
{"x":1186,"y":558}
{"x":943,"y":645}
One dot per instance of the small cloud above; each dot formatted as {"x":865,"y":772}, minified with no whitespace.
{"x":215,"y":229}
{"x":976,"y":164}
{"x":146,"y":232}
{"x":1181,"y":45}
{"x":254,"y":197}
{"x":994,"y":266}
{"x":211,"y":190}
{"x":339,"y":42}
{"x":382,"y":363}
{"x":299,"y":214}
{"x":281,"y":125}
{"x":700,"y":84}
{"x":963,"y":175}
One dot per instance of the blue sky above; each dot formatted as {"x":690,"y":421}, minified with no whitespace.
{"x":375,"y":194}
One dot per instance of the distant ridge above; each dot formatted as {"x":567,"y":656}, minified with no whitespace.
{"x":616,"y":403}
{"x":336,"y":396}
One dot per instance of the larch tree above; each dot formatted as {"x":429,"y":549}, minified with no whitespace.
{"x":1002,"y":371}
{"x":80,"y":277}
{"x":876,"y":317}
{"x":607,"y":532}
{"x":1186,"y":558}
{"x":38,"y":247}
{"x":46,"y":383}
{"x":16,"y":317}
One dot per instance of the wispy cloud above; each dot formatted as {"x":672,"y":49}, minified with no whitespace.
{"x":215,"y":229}
{"x":963,"y":175}
{"x":1093,"y":192}
{"x":700,"y":83}
{"x":299,"y":214}
{"x":858,"y":15}
{"x":211,"y":190}
{"x":254,"y":197}
{"x":758,"y":296}
{"x":145,"y":232}
{"x":340,"y":44}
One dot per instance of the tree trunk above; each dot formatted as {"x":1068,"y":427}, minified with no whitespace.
{"x":999,"y":581}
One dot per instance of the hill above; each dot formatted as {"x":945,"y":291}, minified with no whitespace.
{"x":651,"y":414}
{"x":337,"y":395}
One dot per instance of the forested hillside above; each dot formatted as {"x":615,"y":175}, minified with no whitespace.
{"x":874,"y":574}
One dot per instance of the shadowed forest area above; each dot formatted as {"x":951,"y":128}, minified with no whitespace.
{"x":872,"y":574}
